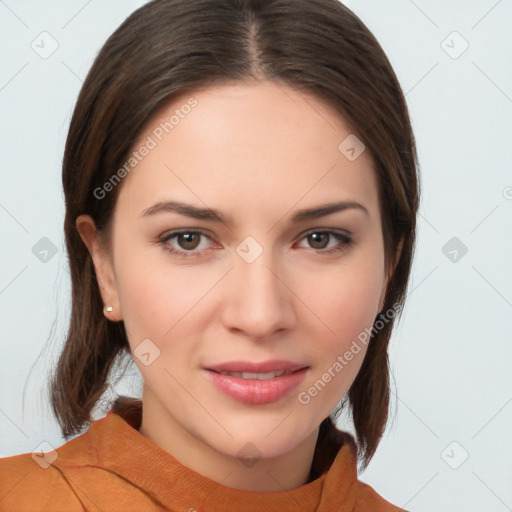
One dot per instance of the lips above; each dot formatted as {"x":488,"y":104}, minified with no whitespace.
{"x":256,"y":383}
{"x":275,"y":365}
{"x":256,"y":388}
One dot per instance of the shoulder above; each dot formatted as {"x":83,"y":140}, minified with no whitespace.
{"x":29,"y":482}
{"x":369,"y":500}
{"x":342,"y":482}
{"x":96,"y":471}
{"x":67,"y":478}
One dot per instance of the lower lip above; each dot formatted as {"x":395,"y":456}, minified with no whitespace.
{"x":253,"y":391}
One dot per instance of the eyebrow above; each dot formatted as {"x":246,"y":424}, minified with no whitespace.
{"x":216,"y":216}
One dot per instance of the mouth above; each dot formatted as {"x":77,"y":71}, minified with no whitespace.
{"x":266,"y":369}
{"x":239,"y":381}
{"x":256,"y":376}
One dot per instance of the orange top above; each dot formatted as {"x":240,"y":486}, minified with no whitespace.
{"x":112,"y":467}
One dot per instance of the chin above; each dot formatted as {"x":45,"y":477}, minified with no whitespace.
{"x":258,"y":441}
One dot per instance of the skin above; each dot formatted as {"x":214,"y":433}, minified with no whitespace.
{"x":258,"y":152}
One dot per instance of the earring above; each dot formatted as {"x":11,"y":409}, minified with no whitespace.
{"x":109,"y":309}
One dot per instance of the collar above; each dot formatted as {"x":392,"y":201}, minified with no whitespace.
{"x":122,"y":449}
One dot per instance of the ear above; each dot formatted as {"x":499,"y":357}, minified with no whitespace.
{"x":389,"y":273}
{"x":103,"y":266}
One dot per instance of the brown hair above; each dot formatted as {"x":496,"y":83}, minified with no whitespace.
{"x":168,"y":47}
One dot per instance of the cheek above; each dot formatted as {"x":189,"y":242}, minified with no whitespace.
{"x":144,"y":299}
{"x":346,"y":305}
{"x":346,"y":300}
{"x":159,"y":301}
{"x":355,"y":302}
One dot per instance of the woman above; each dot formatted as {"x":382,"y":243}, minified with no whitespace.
{"x":241,"y":195}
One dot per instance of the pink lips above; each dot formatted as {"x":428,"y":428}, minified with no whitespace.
{"x":254,"y":391}
{"x":274,"y":365}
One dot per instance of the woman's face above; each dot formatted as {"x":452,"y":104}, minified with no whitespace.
{"x":268,"y":281}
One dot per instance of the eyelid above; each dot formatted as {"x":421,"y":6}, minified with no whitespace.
{"x":338,"y":231}
{"x":173,"y":232}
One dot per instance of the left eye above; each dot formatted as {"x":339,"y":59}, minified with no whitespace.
{"x":319,"y":240}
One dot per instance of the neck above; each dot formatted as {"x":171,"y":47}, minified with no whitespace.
{"x":273,"y":474}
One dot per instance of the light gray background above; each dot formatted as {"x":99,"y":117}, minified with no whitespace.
{"x":451,"y":354}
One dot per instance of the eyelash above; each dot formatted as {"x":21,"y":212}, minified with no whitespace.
{"x":344,"y":240}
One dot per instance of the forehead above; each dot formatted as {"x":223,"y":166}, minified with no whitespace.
{"x":249,"y":145}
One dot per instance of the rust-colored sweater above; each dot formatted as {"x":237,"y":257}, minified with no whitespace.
{"x":112,"y":467}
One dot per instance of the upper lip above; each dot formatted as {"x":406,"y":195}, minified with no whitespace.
{"x":274,"y":365}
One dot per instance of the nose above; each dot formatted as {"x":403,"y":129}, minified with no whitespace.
{"x":258,"y":300}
